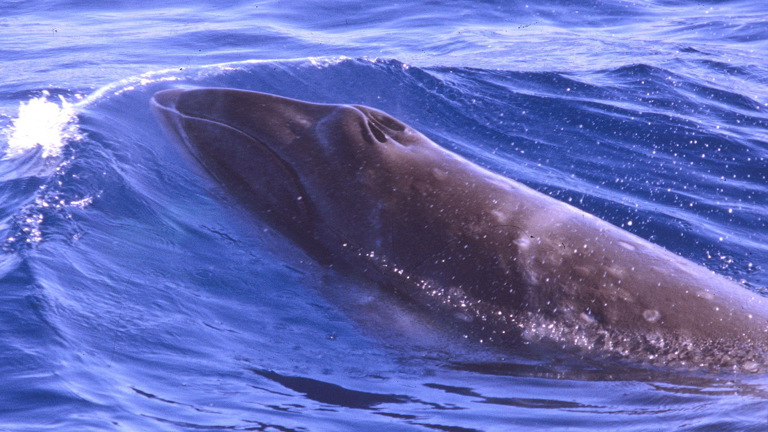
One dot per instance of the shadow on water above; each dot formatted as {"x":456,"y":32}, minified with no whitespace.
{"x":331,"y":394}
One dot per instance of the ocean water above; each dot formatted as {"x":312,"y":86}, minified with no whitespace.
{"x":138,"y":296}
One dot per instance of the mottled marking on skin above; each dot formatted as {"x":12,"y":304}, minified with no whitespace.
{"x":531,"y":275}
{"x":616,"y":272}
{"x":616,"y":293}
{"x":524,"y":242}
{"x":500,"y":216}
{"x":439,"y":174}
{"x":626,"y":295}
{"x":583,"y":271}
{"x":627,"y":246}
{"x":651,"y":315}
{"x":506,"y":264}
{"x":706,"y":295}
{"x":587,"y":318}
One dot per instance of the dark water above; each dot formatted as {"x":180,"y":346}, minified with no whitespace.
{"x":136,"y":295}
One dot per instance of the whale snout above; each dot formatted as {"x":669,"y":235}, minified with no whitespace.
{"x":167,"y":98}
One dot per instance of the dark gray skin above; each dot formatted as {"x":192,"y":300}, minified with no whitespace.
{"x":507,"y":264}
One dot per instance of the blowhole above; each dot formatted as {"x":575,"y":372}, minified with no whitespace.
{"x":389,"y":122}
{"x":377,"y":132}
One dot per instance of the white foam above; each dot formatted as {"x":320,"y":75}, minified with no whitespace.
{"x":42,"y":123}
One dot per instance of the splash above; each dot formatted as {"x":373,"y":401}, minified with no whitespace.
{"x":42,"y":123}
{"x":36,"y":138}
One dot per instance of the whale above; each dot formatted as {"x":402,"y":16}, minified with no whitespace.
{"x":488,"y":256}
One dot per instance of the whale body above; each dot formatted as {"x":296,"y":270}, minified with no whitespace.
{"x":505,"y":263}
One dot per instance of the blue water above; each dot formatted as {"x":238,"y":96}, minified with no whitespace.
{"x":138,"y":296}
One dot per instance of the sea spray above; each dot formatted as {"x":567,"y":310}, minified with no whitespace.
{"x":42,"y":123}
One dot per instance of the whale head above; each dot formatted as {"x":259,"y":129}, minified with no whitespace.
{"x":299,"y":164}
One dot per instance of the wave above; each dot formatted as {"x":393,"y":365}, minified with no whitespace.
{"x":154,"y":295}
